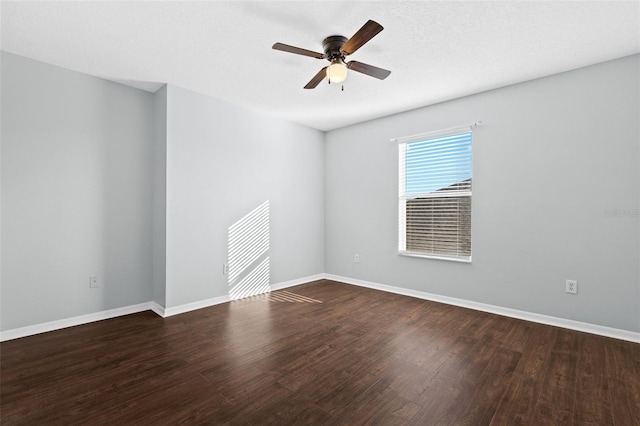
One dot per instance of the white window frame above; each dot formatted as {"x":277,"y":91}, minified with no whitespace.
{"x":402,"y":196}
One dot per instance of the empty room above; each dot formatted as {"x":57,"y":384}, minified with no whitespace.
{"x":320,"y":212}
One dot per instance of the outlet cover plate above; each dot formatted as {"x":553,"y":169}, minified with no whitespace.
{"x":93,"y":282}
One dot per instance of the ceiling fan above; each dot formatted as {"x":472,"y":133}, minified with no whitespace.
{"x":336,"y":47}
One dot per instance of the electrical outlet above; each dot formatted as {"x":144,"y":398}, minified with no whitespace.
{"x":225,"y":269}
{"x":571,"y":287}
{"x":93,"y":282}
{"x":356,"y":258}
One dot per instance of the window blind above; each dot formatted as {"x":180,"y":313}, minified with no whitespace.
{"x":435,"y":196}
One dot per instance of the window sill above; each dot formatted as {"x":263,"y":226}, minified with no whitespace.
{"x":460,"y":259}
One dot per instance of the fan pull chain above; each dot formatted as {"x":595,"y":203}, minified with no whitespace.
{"x":343,"y":87}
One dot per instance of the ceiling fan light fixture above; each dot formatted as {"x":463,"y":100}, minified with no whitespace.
{"x":337,"y":72}
{"x":336,"y":47}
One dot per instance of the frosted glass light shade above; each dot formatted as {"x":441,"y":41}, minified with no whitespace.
{"x":337,"y":72}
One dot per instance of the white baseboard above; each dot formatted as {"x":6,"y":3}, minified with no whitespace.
{"x":180,"y":309}
{"x":166,"y":312}
{"x":187,"y":307}
{"x":601,"y":330}
{"x":158,"y":309}
{"x":292,"y":283}
{"x":30,"y":330}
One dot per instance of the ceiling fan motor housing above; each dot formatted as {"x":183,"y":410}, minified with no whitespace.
{"x":332,"y":47}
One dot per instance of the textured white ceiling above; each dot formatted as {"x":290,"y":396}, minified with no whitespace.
{"x":436,"y":50}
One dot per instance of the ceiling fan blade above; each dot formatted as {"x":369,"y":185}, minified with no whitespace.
{"x":368,"y":70}
{"x":317,"y":79}
{"x":363,"y":35}
{"x":297,"y":50}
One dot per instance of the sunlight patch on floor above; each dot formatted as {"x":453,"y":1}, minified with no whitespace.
{"x":280,"y":296}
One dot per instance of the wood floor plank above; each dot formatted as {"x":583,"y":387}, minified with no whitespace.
{"x":517,"y":406}
{"x":436,"y":389}
{"x":556,"y":403}
{"x":287,"y":411}
{"x":593,"y":399}
{"x":479,"y":406}
{"x":359,"y":357}
{"x":624,"y":380}
{"x":518,"y":336}
{"x":474,"y":388}
{"x":379,"y":401}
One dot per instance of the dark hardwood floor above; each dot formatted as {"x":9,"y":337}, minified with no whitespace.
{"x":359,"y":357}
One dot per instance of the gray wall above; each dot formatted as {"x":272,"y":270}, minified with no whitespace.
{"x":102,"y":179}
{"x":552,"y":156}
{"x":223,"y":161}
{"x":76,"y":173}
{"x":159,"y":197}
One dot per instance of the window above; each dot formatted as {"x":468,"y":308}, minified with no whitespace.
{"x":435,"y":195}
